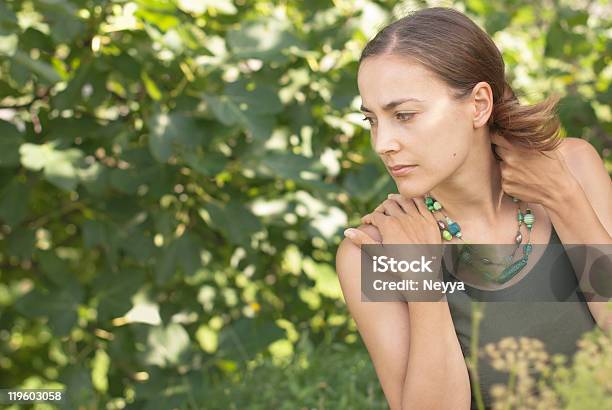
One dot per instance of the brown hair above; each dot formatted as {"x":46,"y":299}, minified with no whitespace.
{"x":461,"y":54}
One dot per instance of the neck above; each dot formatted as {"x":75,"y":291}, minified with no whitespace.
{"x":474,"y":192}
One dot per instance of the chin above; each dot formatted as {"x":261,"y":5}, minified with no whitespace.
{"x":409,"y":190}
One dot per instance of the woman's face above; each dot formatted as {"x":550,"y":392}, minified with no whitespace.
{"x":430,"y":130}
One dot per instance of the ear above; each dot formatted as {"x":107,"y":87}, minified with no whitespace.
{"x":482,"y":98}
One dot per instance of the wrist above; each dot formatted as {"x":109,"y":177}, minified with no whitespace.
{"x":562,"y":197}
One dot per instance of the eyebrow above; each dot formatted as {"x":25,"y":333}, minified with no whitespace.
{"x":392,"y":104}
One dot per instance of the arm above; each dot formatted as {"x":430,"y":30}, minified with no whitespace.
{"x":415,"y":351}
{"x":581,"y":210}
{"x":436,"y":376}
{"x":383,"y":326}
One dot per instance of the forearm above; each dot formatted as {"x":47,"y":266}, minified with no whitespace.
{"x":574,"y":218}
{"x":577,"y":223}
{"x":436,"y":376}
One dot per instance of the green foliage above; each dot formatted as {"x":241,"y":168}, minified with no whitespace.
{"x":321,"y":377}
{"x":176,"y":175}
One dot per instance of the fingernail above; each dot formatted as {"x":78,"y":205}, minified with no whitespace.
{"x":350,"y":233}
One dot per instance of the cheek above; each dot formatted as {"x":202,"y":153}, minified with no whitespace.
{"x":449,"y":138}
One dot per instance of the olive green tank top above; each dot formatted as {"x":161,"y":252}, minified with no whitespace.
{"x":558,"y":325}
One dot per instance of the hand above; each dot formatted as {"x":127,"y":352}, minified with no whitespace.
{"x":405,"y":221}
{"x":529,"y":175}
{"x":401,"y":221}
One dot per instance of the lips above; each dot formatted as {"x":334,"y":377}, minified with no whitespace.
{"x":400,"y":170}
{"x":397,"y":167}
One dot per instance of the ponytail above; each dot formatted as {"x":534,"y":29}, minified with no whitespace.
{"x":534,"y":127}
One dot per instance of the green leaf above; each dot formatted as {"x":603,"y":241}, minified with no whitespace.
{"x":168,"y":129}
{"x":245,"y":337}
{"x":150,"y":86}
{"x":264,"y":38}
{"x":20,"y":243}
{"x":35,"y":156}
{"x":365,"y":182}
{"x":62,"y":174}
{"x":576,"y":115}
{"x":209,"y":163}
{"x":72,"y":94}
{"x":79,"y":389}
{"x":168,"y":345}
{"x":166,"y":265}
{"x":99,"y":370}
{"x":284,"y":165}
{"x":8,"y":19}
{"x":139,"y":245}
{"x":8,"y":45}
{"x":59,"y":165}
{"x":54,"y":267}
{"x":260,"y":100}
{"x":10,"y":141}
{"x":61,"y":15}
{"x":183,"y":252}
{"x":57,"y":304}
{"x":114,"y":291}
{"x":40,"y":68}
{"x":14,"y":202}
{"x":224,"y":109}
{"x":497,"y":21}
{"x":236,"y":221}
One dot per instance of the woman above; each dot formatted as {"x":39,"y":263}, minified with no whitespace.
{"x":434,"y":91}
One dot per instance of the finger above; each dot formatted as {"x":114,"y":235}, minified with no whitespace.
{"x":379,"y":208}
{"x":381,"y":221}
{"x":402,"y":202}
{"x":391,"y":207}
{"x":358,"y":237}
{"x":408,"y":206}
{"x":367,"y":219}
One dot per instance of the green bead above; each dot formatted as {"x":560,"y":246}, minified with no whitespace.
{"x":437,"y":206}
{"x":446,"y":235}
{"x":527,"y":249}
{"x":511,"y":271}
{"x":430,"y":208}
{"x":453,"y":228}
{"x":429,"y":201}
{"x":529,"y":219}
{"x":520,"y":216}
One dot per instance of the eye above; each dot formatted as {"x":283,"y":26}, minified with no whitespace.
{"x":367,"y":119}
{"x":404,"y":116}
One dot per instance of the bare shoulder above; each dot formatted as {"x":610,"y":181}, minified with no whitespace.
{"x":589,"y":170}
{"x":348,"y":253}
{"x":579,"y":153}
{"x":585,"y":164}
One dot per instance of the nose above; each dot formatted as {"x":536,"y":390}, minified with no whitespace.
{"x":386,"y":140}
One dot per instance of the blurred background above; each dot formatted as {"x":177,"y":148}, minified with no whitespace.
{"x":176,"y":176}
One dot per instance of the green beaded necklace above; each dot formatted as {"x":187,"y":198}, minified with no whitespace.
{"x":450,"y":228}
